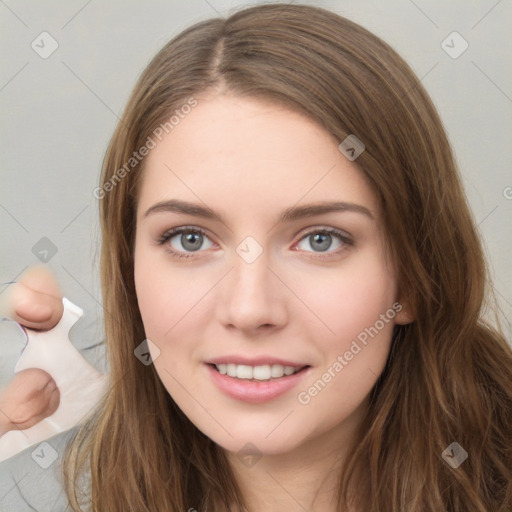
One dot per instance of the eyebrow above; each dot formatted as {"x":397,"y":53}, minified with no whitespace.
{"x":289,"y":214}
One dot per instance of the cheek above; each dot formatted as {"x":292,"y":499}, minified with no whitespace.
{"x":166,"y":302}
{"x":165,"y":295}
{"x":355,"y":304}
{"x":176,"y":309}
{"x":351,"y":298}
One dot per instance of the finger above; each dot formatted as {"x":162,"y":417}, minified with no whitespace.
{"x":31,"y":396}
{"x":28,"y":411}
{"x":53,"y":394}
{"x":35,"y":310}
{"x":42,"y":405}
{"x":35,"y":301}
{"x":40,"y":279}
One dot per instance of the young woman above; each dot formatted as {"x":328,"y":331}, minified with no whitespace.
{"x":293,"y":287}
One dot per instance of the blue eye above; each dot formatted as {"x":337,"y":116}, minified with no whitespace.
{"x":323,"y":240}
{"x":185,"y":240}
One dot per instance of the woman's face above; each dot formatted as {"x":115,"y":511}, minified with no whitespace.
{"x":260,"y":252}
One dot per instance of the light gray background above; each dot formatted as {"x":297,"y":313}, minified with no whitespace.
{"x":59,"y":113}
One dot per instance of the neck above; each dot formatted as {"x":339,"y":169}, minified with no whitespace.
{"x":306,"y":478}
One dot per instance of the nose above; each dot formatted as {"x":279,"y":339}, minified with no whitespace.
{"x":252,"y":299}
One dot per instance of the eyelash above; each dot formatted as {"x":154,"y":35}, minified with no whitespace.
{"x":177,"y":231}
{"x":343,"y":238}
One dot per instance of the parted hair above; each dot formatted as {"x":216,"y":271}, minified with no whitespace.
{"x":448,"y":377}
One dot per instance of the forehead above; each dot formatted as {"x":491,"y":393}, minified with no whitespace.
{"x":249,"y":156}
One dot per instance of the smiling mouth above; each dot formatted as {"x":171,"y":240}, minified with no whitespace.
{"x":265,"y":372}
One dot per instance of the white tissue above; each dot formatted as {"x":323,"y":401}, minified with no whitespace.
{"x":81,"y":386}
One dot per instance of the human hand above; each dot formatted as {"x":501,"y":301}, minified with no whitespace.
{"x":31,"y":396}
{"x":35,"y":301}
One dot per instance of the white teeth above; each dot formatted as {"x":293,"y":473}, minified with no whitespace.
{"x":277,"y":370}
{"x":262,"y":372}
{"x":243,"y":371}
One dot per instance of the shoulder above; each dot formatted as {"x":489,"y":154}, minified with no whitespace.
{"x":32,"y":479}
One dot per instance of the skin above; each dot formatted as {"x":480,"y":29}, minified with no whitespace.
{"x":35,"y":301}
{"x":31,"y":396}
{"x":250,"y":160}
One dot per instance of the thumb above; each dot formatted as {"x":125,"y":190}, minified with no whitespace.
{"x":35,"y":301}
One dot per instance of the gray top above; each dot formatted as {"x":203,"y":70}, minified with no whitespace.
{"x":32,"y":480}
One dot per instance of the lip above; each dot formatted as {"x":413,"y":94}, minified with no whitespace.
{"x":255,"y":392}
{"x":254,"y":361}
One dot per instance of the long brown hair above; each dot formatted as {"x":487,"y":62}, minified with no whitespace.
{"x":449,"y":373}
